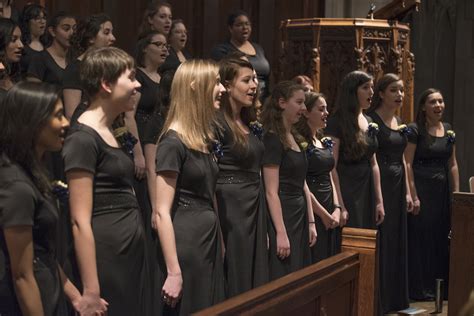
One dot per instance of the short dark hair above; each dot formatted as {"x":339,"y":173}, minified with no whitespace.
{"x":105,"y":63}
{"x":234,"y":15}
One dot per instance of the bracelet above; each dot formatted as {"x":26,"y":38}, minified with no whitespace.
{"x":338,"y":206}
{"x":312,"y":222}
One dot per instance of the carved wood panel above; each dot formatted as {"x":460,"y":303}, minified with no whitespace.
{"x":338,"y":46}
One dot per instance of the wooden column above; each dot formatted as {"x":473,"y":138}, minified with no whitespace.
{"x":461,"y":265}
{"x":364,"y":241}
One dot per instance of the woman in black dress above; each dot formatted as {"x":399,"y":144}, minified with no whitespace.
{"x":185,"y":218}
{"x":318,"y":177}
{"x":31,"y":280}
{"x":157,"y":17}
{"x":92,"y":32}
{"x":11,"y":49}
{"x":108,"y":232}
{"x":242,"y":216}
{"x":240,"y":29}
{"x":49,"y":65}
{"x":433,"y":175}
{"x":392,"y":140}
{"x":356,"y":173}
{"x":293,"y":228}
{"x":33,"y":26}
{"x":177,"y":39}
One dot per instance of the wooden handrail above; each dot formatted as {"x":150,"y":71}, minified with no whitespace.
{"x":303,"y":292}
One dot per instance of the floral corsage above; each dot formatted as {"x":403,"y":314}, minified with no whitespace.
{"x":59,"y":189}
{"x":404,"y":129}
{"x":217,"y":149}
{"x":257,"y":129}
{"x":373,"y":129}
{"x":327,"y":142}
{"x":451,"y":136}
{"x":126,"y":139}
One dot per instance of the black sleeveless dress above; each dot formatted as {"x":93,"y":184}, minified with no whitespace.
{"x":393,"y":262}
{"x":242,"y":216}
{"x":320,"y":163}
{"x":195,"y":224}
{"x":355,"y":179}
{"x":428,"y":244}
{"x":292,"y":174}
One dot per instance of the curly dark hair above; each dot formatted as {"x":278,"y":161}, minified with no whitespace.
{"x":86,"y":30}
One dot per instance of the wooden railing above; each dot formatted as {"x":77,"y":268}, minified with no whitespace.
{"x":330,"y":287}
{"x":461,"y":265}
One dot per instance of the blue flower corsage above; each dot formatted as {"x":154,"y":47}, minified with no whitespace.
{"x":451,"y":136}
{"x":310,"y":150}
{"x":217,"y":149}
{"x":404,"y":129}
{"x":257,"y":129}
{"x":373,"y":129}
{"x":328,"y":143}
{"x":59,"y":189}
{"x":126,"y":139}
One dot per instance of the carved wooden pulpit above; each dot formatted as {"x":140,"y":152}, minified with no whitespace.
{"x":326,"y":49}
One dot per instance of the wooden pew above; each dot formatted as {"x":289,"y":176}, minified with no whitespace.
{"x":329,"y":287}
{"x":364,"y":241}
{"x":461,"y":265}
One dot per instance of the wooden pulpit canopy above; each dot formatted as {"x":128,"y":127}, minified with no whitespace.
{"x":397,"y":9}
{"x":326,"y":49}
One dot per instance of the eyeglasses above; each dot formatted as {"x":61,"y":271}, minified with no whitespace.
{"x":40,"y":18}
{"x":160,"y":45}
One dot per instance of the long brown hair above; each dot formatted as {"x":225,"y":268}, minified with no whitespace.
{"x":347,"y":110}
{"x":229,"y":70}
{"x":421,"y":114}
{"x":272,"y":112}
{"x":381,"y":86}
{"x":302,"y":126}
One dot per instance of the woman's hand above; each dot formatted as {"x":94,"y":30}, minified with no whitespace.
{"x":91,"y":304}
{"x":329,"y":221}
{"x":344,"y":217}
{"x":409,"y":203}
{"x":140,"y":170}
{"x":172,"y":289}
{"x":313,"y":234}
{"x":416,"y":206}
{"x":379,"y":214}
{"x":336,"y":215}
{"x":283,"y":245}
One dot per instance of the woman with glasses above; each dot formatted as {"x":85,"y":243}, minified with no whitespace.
{"x":33,"y":26}
{"x":177,"y":41}
{"x":240,"y":30}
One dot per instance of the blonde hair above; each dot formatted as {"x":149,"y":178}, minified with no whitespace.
{"x":192,"y":103}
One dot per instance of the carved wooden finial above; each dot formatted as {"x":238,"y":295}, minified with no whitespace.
{"x":370,"y":14}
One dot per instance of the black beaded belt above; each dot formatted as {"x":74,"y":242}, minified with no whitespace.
{"x":187,"y":200}
{"x":233,"y":177}
{"x":119,"y":200}
{"x":388,"y":161}
{"x":318,"y":179}
{"x":430,"y":162}
{"x":291,"y":189}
